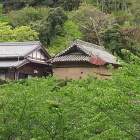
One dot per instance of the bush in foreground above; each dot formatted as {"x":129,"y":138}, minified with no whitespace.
{"x":41,"y":108}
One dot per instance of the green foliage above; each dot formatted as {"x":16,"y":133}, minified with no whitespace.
{"x":2,"y":82}
{"x":90,"y":21}
{"x":87,"y":17}
{"x":18,"y":4}
{"x":135,"y":10}
{"x":27,"y":15}
{"x":130,"y":29}
{"x":60,"y":42}
{"x":56,"y":18}
{"x":43,"y":28}
{"x":3,"y":17}
{"x":23,"y":33}
{"x":91,"y":16}
{"x":51,"y":25}
{"x":111,"y":38}
{"x":109,"y":6}
{"x":41,"y":108}
{"x":47,"y":2}
{"x":68,"y":5}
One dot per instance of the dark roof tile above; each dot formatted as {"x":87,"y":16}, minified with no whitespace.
{"x":13,"y":63}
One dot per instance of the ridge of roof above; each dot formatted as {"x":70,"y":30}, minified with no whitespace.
{"x":83,"y":46}
{"x":87,"y":44}
{"x":19,"y":43}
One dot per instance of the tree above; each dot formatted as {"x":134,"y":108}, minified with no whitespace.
{"x":110,"y":6}
{"x":3,"y":17}
{"x":27,"y":15}
{"x":44,"y":30}
{"x":69,"y":5}
{"x":56,"y":18}
{"x":134,"y":10}
{"x":60,"y":42}
{"x":90,"y":21}
{"x":22,"y":3}
{"x":131,"y":30}
{"x":103,"y":109}
{"x":20,"y":34}
{"x":51,"y":25}
{"x":111,"y":39}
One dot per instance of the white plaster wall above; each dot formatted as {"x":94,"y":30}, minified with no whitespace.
{"x":38,"y":54}
{"x":33,"y":54}
{"x":2,"y":76}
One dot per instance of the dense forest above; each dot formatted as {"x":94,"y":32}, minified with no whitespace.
{"x":113,"y":24}
{"x":85,"y":109}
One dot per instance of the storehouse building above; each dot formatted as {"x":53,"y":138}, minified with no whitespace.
{"x":82,"y":59}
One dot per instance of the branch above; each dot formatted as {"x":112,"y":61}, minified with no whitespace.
{"x":87,"y":28}
{"x":107,"y":114}
{"x":23,"y":110}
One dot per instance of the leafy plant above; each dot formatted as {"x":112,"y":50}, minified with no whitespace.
{"x":22,"y":33}
{"x":60,"y":42}
{"x":41,"y":108}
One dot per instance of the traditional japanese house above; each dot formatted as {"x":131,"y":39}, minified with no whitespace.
{"x":82,"y":59}
{"x":20,"y":60}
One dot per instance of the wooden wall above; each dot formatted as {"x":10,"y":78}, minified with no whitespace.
{"x":34,"y":69}
{"x":10,"y":75}
{"x":26,"y":71}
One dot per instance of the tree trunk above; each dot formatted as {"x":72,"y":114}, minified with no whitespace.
{"x":125,"y":5}
{"x":102,"y":6}
{"x":96,"y":32}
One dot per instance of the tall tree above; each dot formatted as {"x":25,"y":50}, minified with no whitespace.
{"x":62,"y":41}
{"x":51,"y":25}
{"x":111,"y":39}
{"x":56,"y":18}
{"x":90,"y":21}
{"x":109,"y":6}
{"x":68,"y":5}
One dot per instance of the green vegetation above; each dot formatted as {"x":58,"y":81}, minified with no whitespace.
{"x":113,"y":24}
{"x":21,"y":34}
{"x":59,"y":42}
{"x":27,"y":15}
{"x":45,"y":108}
{"x":89,"y":109}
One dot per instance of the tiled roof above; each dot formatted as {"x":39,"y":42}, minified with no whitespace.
{"x":19,"y":63}
{"x":90,"y":51}
{"x":89,"y":48}
{"x":17,"y":49}
{"x":38,"y":61}
{"x":13,"y":53}
{"x":71,"y":58}
{"x":13,"y":63}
